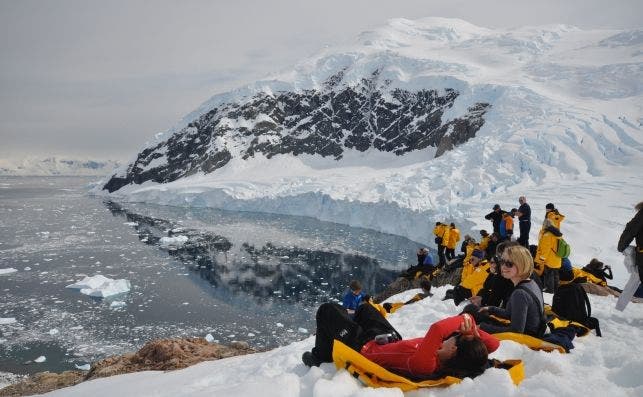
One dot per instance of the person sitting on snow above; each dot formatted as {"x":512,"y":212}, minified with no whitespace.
{"x":354,"y":297}
{"x":454,"y":345}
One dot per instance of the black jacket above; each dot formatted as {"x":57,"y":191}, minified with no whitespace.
{"x":495,"y":217}
{"x":496,"y":290}
{"x":633,"y":230}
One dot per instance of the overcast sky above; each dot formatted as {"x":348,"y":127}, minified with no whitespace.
{"x":99,"y":78}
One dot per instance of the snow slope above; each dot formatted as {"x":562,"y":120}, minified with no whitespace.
{"x":565,"y":126}
{"x":610,"y":365}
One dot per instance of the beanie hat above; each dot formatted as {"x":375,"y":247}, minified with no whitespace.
{"x":484,"y":232}
{"x":496,"y":206}
{"x":478,"y":254}
{"x":550,"y":206}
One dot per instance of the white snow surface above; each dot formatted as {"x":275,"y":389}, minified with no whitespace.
{"x":100,"y":286}
{"x":607,"y":366}
{"x":34,"y":166}
{"x":176,"y":241}
{"x":565,"y":126}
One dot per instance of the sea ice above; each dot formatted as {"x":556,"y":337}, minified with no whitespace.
{"x":53,"y":332}
{"x":84,"y":367}
{"x":7,"y":320}
{"x":40,"y":359}
{"x":209,"y":338}
{"x":8,"y":270}
{"x":177,"y":241}
{"x":100,"y":286}
{"x":117,"y":304}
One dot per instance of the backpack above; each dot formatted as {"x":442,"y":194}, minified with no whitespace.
{"x":563,"y":250}
{"x":571,"y":303}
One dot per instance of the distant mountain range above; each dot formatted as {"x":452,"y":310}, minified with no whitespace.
{"x":54,"y":166}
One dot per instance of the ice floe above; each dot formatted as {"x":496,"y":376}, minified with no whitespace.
{"x":8,"y":270}
{"x":100,"y":286}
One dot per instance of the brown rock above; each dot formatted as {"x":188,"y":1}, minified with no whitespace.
{"x":158,"y":355}
{"x":43,"y":382}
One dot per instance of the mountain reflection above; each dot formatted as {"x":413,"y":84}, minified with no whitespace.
{"x":267,"y":271}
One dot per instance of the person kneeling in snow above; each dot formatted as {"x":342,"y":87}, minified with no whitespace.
{"x":453,"y":345}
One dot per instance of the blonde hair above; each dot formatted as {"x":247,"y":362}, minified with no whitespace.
{"x":521,"y":258}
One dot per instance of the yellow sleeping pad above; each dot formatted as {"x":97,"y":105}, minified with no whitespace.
{"x":373,"y":375}
{"x":530,"y":341}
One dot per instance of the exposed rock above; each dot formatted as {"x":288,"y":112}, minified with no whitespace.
{"x":43,"y":382}
{"x":442,"y":277}
{"x":326,"y":121}
{"x":158,"y":355}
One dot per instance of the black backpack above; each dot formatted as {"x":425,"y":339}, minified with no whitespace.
{"x":571,"y":303}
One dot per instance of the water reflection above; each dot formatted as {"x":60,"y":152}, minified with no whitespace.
{"x":266,"y":270}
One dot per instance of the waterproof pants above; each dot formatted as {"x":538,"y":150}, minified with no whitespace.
{"x":333,"y":322}
{"x":525,"y":227}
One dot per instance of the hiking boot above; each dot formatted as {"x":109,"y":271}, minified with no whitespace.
{"x":310,"y":359}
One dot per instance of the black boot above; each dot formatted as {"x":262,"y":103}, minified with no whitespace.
{"x":310,"y":359}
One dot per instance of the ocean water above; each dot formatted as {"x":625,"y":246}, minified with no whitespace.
{"x":240,"y":276}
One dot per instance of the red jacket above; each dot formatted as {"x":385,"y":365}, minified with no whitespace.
{"x":419,"y":357}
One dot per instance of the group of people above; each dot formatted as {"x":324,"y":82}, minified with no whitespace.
{"x":460,"y":345}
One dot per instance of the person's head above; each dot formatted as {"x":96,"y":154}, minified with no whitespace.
{"x":595,"y":264}
{"x":494,"y":236}
{"x":423,"y":251}
{"x":639,"y":206}
{"x":452,"y":225}
{"x":438,"y":223}
{"x":484,"y":233}
{"x":516,"y":263}
{"x":355,"y":286}
{"x":502,"y":246}
{"x":522,"y":199}
{"x":467,"y":354}
{"x":496,"y":207}
{"x":512,"y":213}
{"x":476,"y":256}
{"x":549,"y":207}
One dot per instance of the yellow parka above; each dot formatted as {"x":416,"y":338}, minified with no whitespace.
{"x":589,"y":277}
{"x":476,"y":279}
{"x":454,"y":237}
{"x":469,"y":251}
{"x":439,"y":230}
{"x":546,"y":253}
{"x":555,"y":217}
{"x":484,"y":243}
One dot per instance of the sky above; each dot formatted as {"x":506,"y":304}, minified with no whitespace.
{"x":96,"y":79}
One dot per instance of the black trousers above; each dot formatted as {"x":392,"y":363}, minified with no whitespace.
{"x":450,"y":253}
{"x":525,"y":227}
{"x":442,"y":258}
{"x":333,"y":322}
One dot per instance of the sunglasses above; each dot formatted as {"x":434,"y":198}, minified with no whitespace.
{"x":505,"y":263}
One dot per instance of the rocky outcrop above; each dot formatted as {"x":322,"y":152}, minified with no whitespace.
{"x":325,"y":122}
{"x":158,"y":355}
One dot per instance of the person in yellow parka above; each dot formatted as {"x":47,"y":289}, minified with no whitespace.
{"x":484,"y":240}
{"x":454,"y":237}
{"x":474,"y":274}
{"x":552,"y":214}
{"x":441,"y":235}
{"x":547,"y":261}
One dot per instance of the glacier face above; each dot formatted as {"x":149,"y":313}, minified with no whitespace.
{"x":359,"y":135}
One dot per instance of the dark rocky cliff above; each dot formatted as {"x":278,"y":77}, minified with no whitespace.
{"x":368,"y":115}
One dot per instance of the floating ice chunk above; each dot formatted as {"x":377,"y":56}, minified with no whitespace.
{"x":7,"y":320}
{"x":53,"y":331}
{"x":8,"y":270}
{"x":117,"y":304}
{"x":209,"y":338}
{"x":40,"y":359}
{"x":177,"y":241}
{"x":302,"y":330}
{"x":280,"y":325}
{"x":100,"y":286}
{"x":27,"y":268}
{"x":131,"y":223}
{"x":84,"y":367}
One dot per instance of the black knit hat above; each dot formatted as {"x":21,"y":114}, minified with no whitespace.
{"x":496,"y":206}
{"x":550,"y":206}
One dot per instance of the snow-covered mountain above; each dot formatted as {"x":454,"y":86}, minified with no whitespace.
{"x":52,"y":166}
{"x":416,"y":121}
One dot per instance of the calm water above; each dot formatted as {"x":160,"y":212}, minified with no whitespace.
{"x":241,"y":276}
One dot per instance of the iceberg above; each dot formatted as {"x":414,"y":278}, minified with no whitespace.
{"x":177,"y":241}
{"x":100,"y":286}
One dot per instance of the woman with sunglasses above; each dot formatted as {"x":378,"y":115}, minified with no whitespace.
{"x":452,"y":346}
{"x":524,"y":308}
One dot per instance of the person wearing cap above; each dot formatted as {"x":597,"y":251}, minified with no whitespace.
{"x":354,"y":297}
{"x":474,"y":274}
{"x":441,"y":231}
{"x":495,"y":217}
{"x":553,"y":215}
{"x":524,"y":221}
{"x":484,"y":240}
